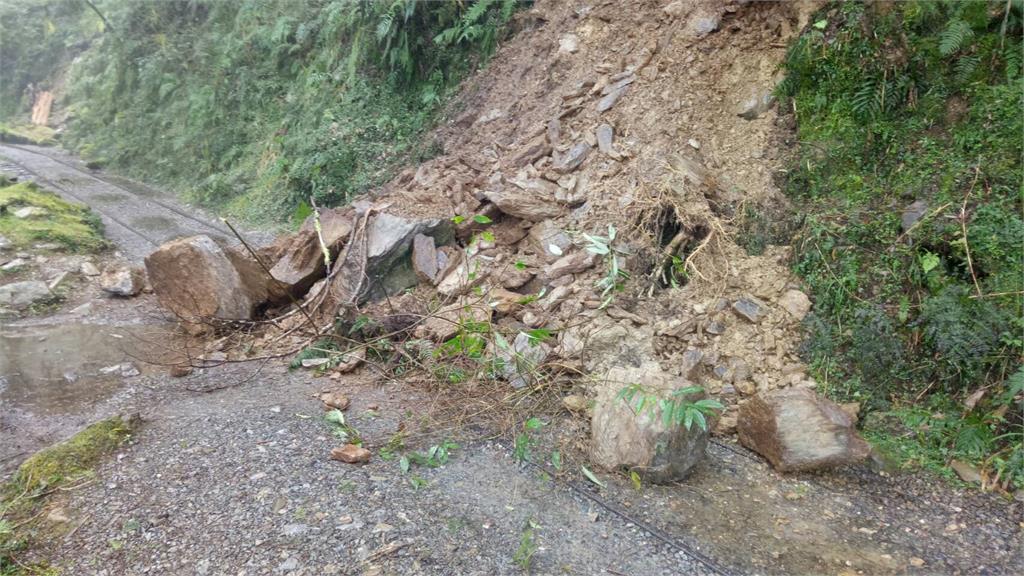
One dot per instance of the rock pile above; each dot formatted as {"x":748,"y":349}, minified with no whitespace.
{"x":667,"y":144}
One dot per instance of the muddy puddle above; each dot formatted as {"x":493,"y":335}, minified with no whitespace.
{"x":57,"y":378}
{"x":52,"y":369}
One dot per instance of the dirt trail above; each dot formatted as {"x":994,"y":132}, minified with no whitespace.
{"x":230,"y":475}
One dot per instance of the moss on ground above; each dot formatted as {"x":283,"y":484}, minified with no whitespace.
{"x":73,"y":226}
{"x":49,"y":469}
{"x":27,"y":134}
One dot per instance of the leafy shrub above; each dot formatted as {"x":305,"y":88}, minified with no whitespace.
{"x":915,"y":101}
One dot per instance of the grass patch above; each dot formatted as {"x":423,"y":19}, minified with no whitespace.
{"x":916,"y":102}
{"x":58,"y":466}
{"x":27,"y":134}
{"x":74,"y":227}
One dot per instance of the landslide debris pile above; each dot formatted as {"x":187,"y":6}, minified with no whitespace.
{"x":578,"y":232}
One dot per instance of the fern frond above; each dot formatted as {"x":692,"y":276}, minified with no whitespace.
{"x":954,"y":37}
{"x":964,"y":68}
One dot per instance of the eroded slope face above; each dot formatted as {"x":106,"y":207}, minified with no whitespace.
{"x":656,"y":119}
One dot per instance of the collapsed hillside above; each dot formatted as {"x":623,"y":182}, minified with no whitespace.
{"x":582,"y":219}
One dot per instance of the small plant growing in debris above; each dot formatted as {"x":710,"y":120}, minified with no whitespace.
{"x":676,"y":410}
{"x":614,"y":277}
{"x":341,"y":429}
{"x":523,"y":441}
{"x":527,"y":546}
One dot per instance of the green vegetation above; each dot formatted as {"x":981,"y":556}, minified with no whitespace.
{"x":40,"y":38}
{"x":74,"y":227}
{"x":896,"y":104}
{"x":49,"y":469}
{"x":255,"y":105}
{"x":682,"y":407}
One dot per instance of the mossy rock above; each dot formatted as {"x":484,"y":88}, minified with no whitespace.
{"x":27,"y":134}
{"x":74,"y":457}
{"x":73,"y":226}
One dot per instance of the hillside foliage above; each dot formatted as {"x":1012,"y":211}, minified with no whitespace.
{"x":256,"y":105}
{"x":901,"y":103}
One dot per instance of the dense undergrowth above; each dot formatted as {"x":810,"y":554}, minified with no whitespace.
{"x":920,"y":321}
{"x":256,"y":105}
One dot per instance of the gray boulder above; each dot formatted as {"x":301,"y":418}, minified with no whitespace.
{"x":622,"y":437}
{"x":388,"y":268}
{"x":21,"y":295}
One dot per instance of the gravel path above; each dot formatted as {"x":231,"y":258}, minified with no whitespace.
{"x":136,"y":218}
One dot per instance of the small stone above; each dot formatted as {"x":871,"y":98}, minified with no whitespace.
{"x":13,"y":264}
{"x":58,"y":280}
{"x":675,"y":9}
{"x":693,"y":144}
{"x":568,"y":44}
{"x":294,"y":529}
{"x":967,"y":472}
{"x":912,"y":214}
{"x":705,"y":25}
{"x":57,"y":516}
{"x":180,"y":370}
{"x":351,"y":454}
{"x":89,"y":269}
{"x":334,"y":400}
{"x":314,"y":362}
{"x":4,"y":242}
{"x":756,"y":105}
{"x":605,"y":136}
{"x":575,"y":403}
{"x":916,"y":562}
{"x":26,"y":212}
{"x":748,"y":309}
{"x":612,"y":97}
{"x":715,"y":327}
{"x":122,"y":280}
{"x":573,"y":158}
{"x":796,"y":303}
{"x":746,"y":387}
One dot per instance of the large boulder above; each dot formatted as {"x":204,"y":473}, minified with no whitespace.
{"x":622,"y":437}
{"x":197,"y":279}
{"x":388,"y":267}
{"x":798,"y":430}
{"x":302,"y":262}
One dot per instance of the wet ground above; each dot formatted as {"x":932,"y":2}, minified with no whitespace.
{"x":238,"y":480}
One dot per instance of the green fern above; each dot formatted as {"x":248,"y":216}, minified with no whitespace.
{"x":865,"y":101}
{"x":964,"y":68}
{"x":955,"y":37}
